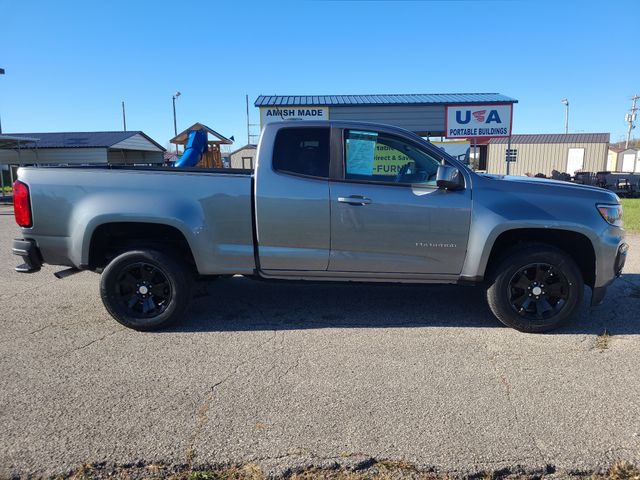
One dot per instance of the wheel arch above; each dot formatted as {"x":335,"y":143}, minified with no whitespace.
{"x":573,"y":243}
{"x":111,"y":238}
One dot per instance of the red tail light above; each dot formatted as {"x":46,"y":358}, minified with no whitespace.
{"x":22,"y":204}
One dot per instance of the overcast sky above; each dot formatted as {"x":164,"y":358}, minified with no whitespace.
{"x":70,"y":64}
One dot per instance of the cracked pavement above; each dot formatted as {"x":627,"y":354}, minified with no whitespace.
{"x":285,"y":375}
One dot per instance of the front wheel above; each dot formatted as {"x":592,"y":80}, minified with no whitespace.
{"x":536,"y":288}
{"x":146,"y":289}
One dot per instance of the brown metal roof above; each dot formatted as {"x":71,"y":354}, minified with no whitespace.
{"x":555,"y":138}
{"x":248,"y":146}
{"x":182,"y":137}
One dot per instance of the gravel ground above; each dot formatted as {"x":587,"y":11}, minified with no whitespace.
{"x":289,"y":375}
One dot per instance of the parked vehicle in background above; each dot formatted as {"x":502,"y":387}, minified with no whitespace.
{"x":328,"y":201}
{"x":623,"y":184}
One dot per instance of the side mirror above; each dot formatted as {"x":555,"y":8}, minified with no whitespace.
{"x":449,"y":178}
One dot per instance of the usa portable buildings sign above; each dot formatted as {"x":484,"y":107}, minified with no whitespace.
{"x":478,"y":121}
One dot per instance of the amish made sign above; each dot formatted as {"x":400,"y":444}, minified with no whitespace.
{"x":279,"y":114}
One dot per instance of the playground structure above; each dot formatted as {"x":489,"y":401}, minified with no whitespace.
{"x":199,"y":149}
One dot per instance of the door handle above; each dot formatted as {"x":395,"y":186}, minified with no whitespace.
{"x":355,"y":200}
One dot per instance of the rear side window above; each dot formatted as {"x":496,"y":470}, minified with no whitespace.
{"x":303,"y":151}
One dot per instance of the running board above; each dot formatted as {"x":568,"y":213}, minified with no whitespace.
{"x":66,"y":273}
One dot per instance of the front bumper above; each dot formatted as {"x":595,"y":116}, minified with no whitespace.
{"x":621,"y":258}
{"x":598,"y":293}
{"x":30,"y":253}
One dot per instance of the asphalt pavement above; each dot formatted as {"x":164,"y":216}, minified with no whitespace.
{"x":289,"y":375}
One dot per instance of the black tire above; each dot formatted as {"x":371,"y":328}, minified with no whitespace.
{"x":146,"y":289}
{"x":535,"y":288}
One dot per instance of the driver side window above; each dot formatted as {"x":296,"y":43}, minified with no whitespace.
{"x":378,"y":157}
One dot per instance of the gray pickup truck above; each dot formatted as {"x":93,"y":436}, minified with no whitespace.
{"x":328,"y":201}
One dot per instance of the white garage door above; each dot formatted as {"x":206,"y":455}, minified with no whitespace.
{"x":575,"y":160}
{"x":628,"y":162}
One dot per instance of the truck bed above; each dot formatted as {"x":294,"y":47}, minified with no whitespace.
{"x":212,"y":209}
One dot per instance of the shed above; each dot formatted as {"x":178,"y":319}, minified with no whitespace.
{"x":424,"y":113}
{"x":628,"y":160}
{"x":80,"y":148}
{"x":612,"y":158}
{"x":543,"y":153}
{"x":244,"y":157}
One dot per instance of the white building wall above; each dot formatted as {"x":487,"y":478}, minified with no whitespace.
{"x":54,"y":156}
{"x":236,"y":157}
{"x":137,"y":142}
{"x":121,"y":157}
{"x":536,"y":158}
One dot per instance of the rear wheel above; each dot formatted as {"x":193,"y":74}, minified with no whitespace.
{"x":146,"y":289}
{"x":536,"y":288}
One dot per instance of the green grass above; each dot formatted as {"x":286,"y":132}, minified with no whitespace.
{"x":631,"y":208}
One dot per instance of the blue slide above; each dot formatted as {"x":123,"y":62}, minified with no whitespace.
{"x":195,"y":147}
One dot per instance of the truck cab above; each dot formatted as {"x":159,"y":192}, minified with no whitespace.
{"x":345,"y":200}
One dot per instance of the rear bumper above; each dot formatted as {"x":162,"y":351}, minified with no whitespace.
{"x":598,"y":293}
{"x":30,"y":253}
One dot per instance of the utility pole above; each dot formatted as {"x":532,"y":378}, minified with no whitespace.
{"x":630,"y":118}
{"x":124,"y":118}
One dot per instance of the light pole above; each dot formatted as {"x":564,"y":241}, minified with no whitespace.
{"x":175,"y":125}
{"x":1,"y":170}
{"x":1,"y":73}
{"x":124,"y":118}
{"x":565,"y":102}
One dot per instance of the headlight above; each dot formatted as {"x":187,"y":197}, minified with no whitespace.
{"x":611,"y":213}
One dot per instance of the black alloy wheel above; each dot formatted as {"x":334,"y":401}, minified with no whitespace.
{"x":535,"y":288}
{"x":146,"y":289}
{"x":538,"y":291}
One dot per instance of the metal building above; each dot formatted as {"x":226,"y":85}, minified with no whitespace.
{"x":74,"y":148}
{"x":424,"y":114}
{"x":544,"y":153}
{"x":244,"y":157}
{"x":624,"y":159}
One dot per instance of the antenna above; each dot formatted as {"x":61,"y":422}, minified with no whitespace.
{"x":630,"y":118}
